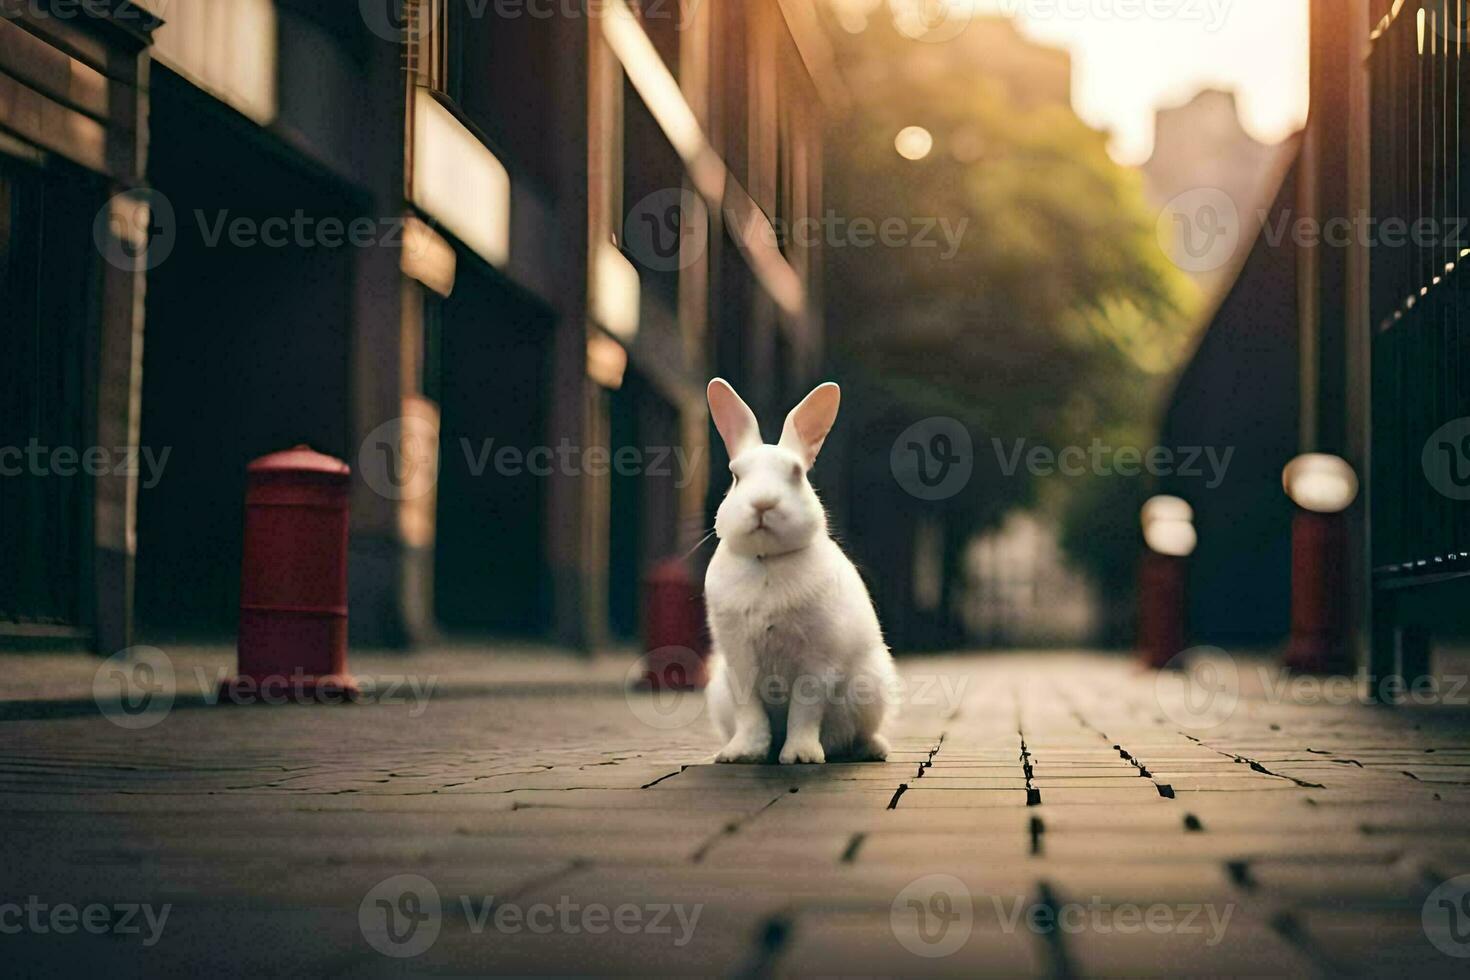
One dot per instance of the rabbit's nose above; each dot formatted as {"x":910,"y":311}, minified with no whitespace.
{"x":764,"y":504}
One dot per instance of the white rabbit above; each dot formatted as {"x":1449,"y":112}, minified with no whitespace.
{"x":799,"y":659}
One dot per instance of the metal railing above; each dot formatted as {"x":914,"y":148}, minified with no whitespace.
{"x":1419,"y":250}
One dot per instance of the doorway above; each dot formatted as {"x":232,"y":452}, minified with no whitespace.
{"x":489,"y":368}
{"x":246,"y":347}
{"x":50,"y":283}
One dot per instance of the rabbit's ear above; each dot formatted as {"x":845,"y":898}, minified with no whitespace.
{"x":733,"y":418}
{"x":808,"y":424}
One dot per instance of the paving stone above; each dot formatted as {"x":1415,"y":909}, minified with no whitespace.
{"x":868,"y":945}
{"x":1339,"y":882}
{"x":753,"y":847}
{"x":941,"y":781}
{"x":1376,"y":943}
{"x":281,"y":823}
{"x":1218,"y":948}
{"x":920,"y":795}
{"x":1139,"y":792}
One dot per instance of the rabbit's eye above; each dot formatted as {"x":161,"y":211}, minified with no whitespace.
{"x":795,"y":472}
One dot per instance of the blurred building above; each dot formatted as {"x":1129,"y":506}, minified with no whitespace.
{"x":473,"y":250}
{"x":1023,"y":592}
{"x":1203,"y":145}
{"x":1240,"y":394}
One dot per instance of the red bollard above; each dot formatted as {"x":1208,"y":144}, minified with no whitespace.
{"x":1319,"y":594}
{"x":1161,"y":607}
{"x":675,"y":633}
{"x":293,"y":584}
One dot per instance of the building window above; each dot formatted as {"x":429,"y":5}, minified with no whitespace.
{"x":227,"y":49}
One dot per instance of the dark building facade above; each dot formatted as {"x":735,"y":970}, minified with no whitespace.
{"x":476,"y":252}
{"x":73,"y":133}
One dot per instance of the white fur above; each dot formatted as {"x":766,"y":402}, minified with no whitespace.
{"x":799,"y":658}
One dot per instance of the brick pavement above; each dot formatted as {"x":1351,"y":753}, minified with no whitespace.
{"x":1063,"y":815}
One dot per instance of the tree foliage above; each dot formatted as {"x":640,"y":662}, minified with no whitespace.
{"x":1058,"y":318}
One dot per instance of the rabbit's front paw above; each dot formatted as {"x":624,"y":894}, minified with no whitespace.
{"x":804,"y":752}
{"x":745,"y":750}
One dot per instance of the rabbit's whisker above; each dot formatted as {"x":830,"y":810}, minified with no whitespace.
{"x":699,"y":545}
